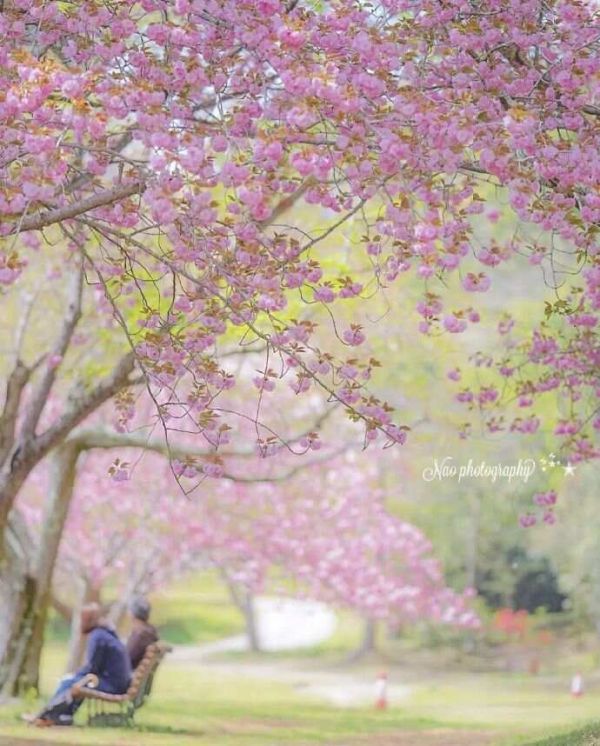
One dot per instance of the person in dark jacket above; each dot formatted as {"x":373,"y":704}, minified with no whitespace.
{"x":106,"y":658}
{"x":142,"y":632}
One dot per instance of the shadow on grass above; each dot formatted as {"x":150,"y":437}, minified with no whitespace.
{"x":168,"y":730}
{"x":149,"y":728}
{"x":163,"y":730}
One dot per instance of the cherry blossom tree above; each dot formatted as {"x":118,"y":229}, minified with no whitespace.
{"x":93,"y":552}
{"x":167,"y":146}
{"x":323,"y":534}
{"x":164,"y":141}
{"x":52,"y":384}
{"x":147,"y":542}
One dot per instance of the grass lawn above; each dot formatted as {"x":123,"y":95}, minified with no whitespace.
{"x":192,"y":704}
{"x":223,"y":703}
{"x":587,"y":736}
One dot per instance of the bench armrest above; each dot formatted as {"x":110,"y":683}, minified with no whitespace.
{"x":89,"y":681}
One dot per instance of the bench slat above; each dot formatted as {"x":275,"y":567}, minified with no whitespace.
{"x":141,"y":680}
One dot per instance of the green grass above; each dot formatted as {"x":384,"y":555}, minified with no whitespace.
{"x":511,"y":702}
{"x":587,"y":736}
{"x":196,"y":703}
{"x":196,"y":609}
{"x":190,"y":706}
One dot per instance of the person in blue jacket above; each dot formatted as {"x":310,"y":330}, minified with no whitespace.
{"x":106,"y":658}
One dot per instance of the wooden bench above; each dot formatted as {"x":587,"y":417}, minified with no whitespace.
{"x":117,"y":710}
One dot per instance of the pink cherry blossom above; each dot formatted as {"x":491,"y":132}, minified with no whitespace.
{"x":476,"y":283}
{"x":354,"y":336}
{"x":454,"y":324}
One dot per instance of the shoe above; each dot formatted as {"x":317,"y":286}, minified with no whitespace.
{"x":43,"y":722}
{"x":64,"y":720}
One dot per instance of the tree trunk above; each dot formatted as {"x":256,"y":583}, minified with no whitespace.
{"x":15,"y":590}
{"x":18,"y":588}
{"x":22,"y":597}
{"x":249,"y":612}
{"x":118,"y":610}
{"x":368,"y":643}
{"x":86,"y":594}
{"x":21,"y":660}
{"x":135,"y":585}
{"x":13,"y":682}
{"x":12,"y":579}
{"x":244,"y":600}
{"x":11,"y":482}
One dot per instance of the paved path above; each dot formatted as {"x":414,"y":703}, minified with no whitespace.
{"x":341,"y":687}
{"x":287,"y":624}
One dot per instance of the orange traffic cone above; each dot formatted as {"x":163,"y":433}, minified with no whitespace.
{"x":381,"y":683}
{"x":577,"y":685}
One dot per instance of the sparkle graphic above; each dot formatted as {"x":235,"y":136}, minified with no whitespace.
{"x":550,"y":463}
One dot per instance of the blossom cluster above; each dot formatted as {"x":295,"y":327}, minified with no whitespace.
{"x":168,"y":140}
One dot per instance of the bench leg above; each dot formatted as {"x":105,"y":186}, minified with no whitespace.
{"x":98,"y":716}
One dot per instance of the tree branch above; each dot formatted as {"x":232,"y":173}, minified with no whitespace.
{"x":80,"y":181}
{"x":44,"y":386}
{"x":83,"y":404}
{"x":593,"y":110}
{"x":287,"y":473}
{"x":60,"y":607}
{"x":8,"y":419}
{"x":288,"y":202}
{"x":19,"y":541}
{"x":474,"y":168}
{"x":44,"y":218}
{"x":102,"y":438}
{"x":231,"y":587}
{"x":26,"y":307}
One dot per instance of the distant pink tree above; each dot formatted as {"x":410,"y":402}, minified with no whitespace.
{"x":326,"y":531}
